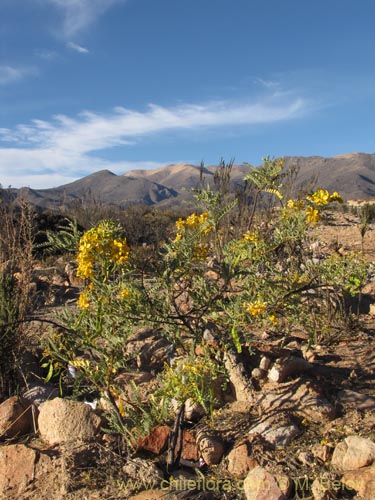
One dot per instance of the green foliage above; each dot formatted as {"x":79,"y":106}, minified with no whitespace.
{"x":64,"y":240}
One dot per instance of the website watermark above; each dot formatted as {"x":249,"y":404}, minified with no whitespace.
{"x":216,"y":485}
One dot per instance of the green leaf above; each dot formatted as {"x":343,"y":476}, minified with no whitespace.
{"x":236,"y":339}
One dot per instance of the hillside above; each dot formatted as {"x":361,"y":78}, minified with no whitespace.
{"x":353,"y":175}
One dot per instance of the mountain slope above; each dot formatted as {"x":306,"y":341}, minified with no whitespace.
{"x":353,"y":175}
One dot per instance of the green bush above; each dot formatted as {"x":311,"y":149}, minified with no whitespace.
{"x":262,"y":278}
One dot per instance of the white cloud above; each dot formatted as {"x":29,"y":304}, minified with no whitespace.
{"x":77,"y":48}
{"x":79,"y":14}
{"x":69,"y":144}
{"x":11,"y":74}
{"x":47,"y":55}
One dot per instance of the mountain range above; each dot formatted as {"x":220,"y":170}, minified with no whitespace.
{"x":353,"y":175}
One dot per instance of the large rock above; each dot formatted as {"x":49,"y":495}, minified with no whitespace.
{"x":358,"y":400}
{"x":261,"y":485}
{"x":16,"y":418}
{"x":353,"y":453}
{"x":302,"y":397}
{"x":17,"y":469}
{"x":362,"y":481}
{"x":64,"y":421}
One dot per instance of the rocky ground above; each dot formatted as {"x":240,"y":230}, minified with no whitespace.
{"x":294,"y":422}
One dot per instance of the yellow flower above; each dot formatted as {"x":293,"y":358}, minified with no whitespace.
{"x":124,"y":293}
{"x":312,"y":215}
{"x":195,"y":221}
{"x":273,"y":319}
{"x":250,"y":236}
{"x":83,"y":301}
{"x":320,"y":197}
{"x":295,"y":204}
{"x":178,"y":238}
{"x":255,"y":308}
{"x":335,"y":196}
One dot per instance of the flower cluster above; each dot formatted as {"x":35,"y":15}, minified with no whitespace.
{"x":312,"y":203}
{"x":251,"y":236}
{"x":322,"y":197}
{"x":194,"y":221}
{"x":255,"y":308}
{"x":101,"y":243}
{"x":83,"y":301}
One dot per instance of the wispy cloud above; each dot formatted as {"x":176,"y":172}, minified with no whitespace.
{"x":77,"y":48}
{"x":71,"y":143}
{"x":79,"y":14}
{"x":11,"y":74}
{"x":46,"y":54}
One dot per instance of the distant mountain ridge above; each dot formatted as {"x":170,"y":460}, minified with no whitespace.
{"x":353,"y":175}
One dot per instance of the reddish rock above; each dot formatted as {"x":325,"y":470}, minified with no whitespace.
{"x":156,"y":441}
{"x":16,"y":418}
{"x":240,"y":461}
{"x":189,"y":447}
{"x":17,"y":468}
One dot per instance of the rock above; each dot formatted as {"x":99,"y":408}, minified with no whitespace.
{"x":144,"y":472}
{"x":287,"y":366}
{"x":362,"y":481}
{"x":240,"y":461}
{"x":278,"y":430}
{"x":258,"y":374}
{"x":353,"y":453}
{"x":285,"y":484}
{"x":261,"y":485}
{"x":156,"y":441}
{"x":306,"y":458}
{"x":238,"y":378}
{"x":189,"y":447}
{"x":264,"y":363}
{"x":303,"y":398}
{"x":38,"y":394}
{"x":361,"y":401}
{"x":210,"y":448}
{"x":321,"y":452}
{"x":322,"y":489}
{"x":150,"y":349}
{"x":193,"y":411}
{"x":16,"y":418}
{"x":133,"y":377}
{"x":63,"y":421}
{"x":17,"y":469}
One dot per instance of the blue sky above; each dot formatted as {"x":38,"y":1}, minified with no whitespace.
{"x":123,"y":84}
